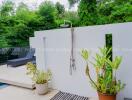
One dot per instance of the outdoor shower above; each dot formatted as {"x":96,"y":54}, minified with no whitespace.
{"x":72,"y":59}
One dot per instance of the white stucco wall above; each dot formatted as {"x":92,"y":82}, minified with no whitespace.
{"x":122,"y":44}
{"x":53,"y":51}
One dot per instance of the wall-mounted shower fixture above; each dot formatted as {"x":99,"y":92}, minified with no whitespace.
{"x":72,"y":59}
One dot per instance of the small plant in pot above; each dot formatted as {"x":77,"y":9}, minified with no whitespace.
{"x":40,"y":78}
{"x":106,"y":83}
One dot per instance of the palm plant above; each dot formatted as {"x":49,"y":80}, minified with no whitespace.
{"x":106,"y":82}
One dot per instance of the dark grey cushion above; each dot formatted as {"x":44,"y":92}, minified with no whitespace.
{"x":21,"y":61}
{"x":18,"y":62}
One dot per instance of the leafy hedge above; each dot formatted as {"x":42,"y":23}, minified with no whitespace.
{"x":92,"y":12}
{"x":18,"y":24}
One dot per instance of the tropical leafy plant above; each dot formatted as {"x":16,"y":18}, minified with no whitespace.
{"x":106,"y":82}
{"x":38,"y":76}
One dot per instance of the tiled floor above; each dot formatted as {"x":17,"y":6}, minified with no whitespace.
{"x":18,"y":75}
{"x":17,"y":93}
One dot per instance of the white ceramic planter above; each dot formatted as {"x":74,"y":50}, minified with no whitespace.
{"x":42,"y":88}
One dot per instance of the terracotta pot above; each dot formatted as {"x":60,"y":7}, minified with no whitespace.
{"x":106,"y":96}
{"x":42,"y":88}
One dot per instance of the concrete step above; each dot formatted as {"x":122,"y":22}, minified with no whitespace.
{"x":15,"y":76}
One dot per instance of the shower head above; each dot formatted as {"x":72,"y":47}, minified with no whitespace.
{"x":66,"y":25}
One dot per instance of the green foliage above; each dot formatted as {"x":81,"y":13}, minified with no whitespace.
{"x":60,"y":8}
{"x":121,"y":13}
{"x":17,"y":24}
{"x":85,"y":54}
{"x":23,"y":13}
{"x":73,"y":17}
{"x":107,"y":86}
{"x":115,"y":63}
{"x":7,"y":8}
{"x":106,"y":80}
{"x":108,"y":42}
{"x":87,"y":12}
{"x":42,"y":77}
{"x":102,"y":57}
{"x":38,"y":76}
{"x":68,"y":15}
{"x":92,"y":12}
{"x":19,"y":35}
{"x":31,"y":68}
{"x":114,"y":11}
{"x":47,"y":10}
{"x":16,"y":28}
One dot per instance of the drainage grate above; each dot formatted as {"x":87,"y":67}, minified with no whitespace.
{"x":68,"y":96}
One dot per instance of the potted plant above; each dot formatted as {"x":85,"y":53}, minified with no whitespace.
{"x":40,"y":78}
{"x":106,"y":83}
